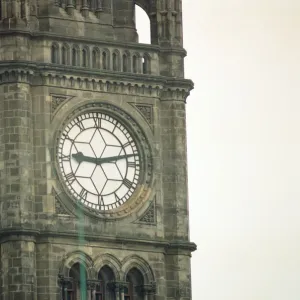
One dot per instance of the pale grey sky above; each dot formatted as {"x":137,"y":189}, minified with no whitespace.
{"x":243,"y":123}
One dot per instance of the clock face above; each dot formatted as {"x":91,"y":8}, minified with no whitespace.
{"x":99,"y":160}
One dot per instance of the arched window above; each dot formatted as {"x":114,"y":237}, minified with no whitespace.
{"x":135,"y":282}
{"x":54,"y":54}
{"x":85,"y":57}
{"x":64,"y":55}
{"x":142,"y":24}
{"x":125,"y":63}
{"x":104,"y":60}
{"x":105,"y":290}
{"x":134,"y":64}
{"x":95,"y":58}
{"x":79,"y":288}
{"x":115,"y":61}
{"x":146,"y":64}
{"x":75,"y":56}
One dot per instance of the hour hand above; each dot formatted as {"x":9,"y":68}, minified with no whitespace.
{"x":79,"y":157}
{"x":112,"y":158}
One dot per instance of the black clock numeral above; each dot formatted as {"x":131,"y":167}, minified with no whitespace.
{"x":80,"y":124}
{"x":70,"y":177}
{"x":127,"y":183}
{"x":97,"y":122}
{"x":131,"y":164}
{"x":101,"y":201}
{"x":66,"y":136}
{"x":127,"y":144}
{"x":83,"y":194}
{"x":64,"y":157}
{"x":118,"y":200}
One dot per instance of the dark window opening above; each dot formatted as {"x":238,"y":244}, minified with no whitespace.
{"x":104,"y":60}
{"x":125,"y":63}
{"x":54,"y":54}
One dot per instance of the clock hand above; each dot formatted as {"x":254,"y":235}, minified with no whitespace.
{"x":79,"y":157}
{"x":112,"y":158}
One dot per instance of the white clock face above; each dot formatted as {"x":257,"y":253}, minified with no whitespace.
{"x":99,"y":160}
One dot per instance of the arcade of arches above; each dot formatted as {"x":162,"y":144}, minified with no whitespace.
{"x":104,"y":286}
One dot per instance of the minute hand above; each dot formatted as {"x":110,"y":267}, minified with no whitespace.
{"x":112,"y":158}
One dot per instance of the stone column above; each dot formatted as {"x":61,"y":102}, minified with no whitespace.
{"x":149,"y":291}
{"x":173,"y":136}
{"x":91,"y":287}
{"x":70,"y":7}
{"x":18,"y":257}
{"x":64,"y":282}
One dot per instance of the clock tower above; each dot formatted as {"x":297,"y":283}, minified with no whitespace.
{"x":93,"y":166}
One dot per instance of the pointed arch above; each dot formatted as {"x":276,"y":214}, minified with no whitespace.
{"x":77,"y":257}
{"x":149,"y":7}
{"x":75,"y":56}
{"x":85,"y":59}
{"x":105,"y":59}
{"x":126,"y":61}
{"x":95,"y":58}
{"x":135,"y":261}
{"x":136,"y":63}
{"x":78,"y":274}
{"x":111,"y":261}
{"x":135,"y":284}
{"x":146,"y":60}
{"x":55,"y":53}
{"x":65,"y":54}
{"x":116,"y":60}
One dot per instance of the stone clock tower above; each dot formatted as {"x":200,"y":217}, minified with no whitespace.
{"x":93,"y":175}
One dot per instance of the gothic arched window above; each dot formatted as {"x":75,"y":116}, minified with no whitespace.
{"x":54,"y":54}
{"x":116,"y":61}
{"x":104,"y":60}
{"x":85,"y":57}
{"x":146,"y":64}
{"x":64,"y":55}
{"x":135,"y":282}
{"x":134,"y":64}
{"x":106,"y":278}
{"x":95,"y":58}
{"x":125,"y":63}
{"x":79,"y":276}
{"x":75,"y":56}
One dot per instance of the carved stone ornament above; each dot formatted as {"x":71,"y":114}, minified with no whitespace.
{"x":56,"y":100}
{"x":146,"y":111}
{"x":59,"y":208}
{"x":149,"y":217}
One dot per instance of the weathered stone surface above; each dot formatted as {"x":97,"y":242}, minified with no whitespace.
{"x":54,"y":60}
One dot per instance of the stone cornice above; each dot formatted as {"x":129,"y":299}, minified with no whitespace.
{"x":171,"y":247}
{"x":165,"y":88}
{"x":52,"y":35}
{"x":163,"y":245}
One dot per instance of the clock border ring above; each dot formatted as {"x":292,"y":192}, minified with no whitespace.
{"x":146,"y":180}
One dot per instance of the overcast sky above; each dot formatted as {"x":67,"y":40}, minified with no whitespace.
{"x":243,"y":121}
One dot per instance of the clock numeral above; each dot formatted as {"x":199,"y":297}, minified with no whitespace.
{"x":118,"y":200}
{"x":131,"y":164}
{"x":101,"y":201}
{"x":80,"y":124}
{"x":64,"y":157}
{"x":70,"y":177}
{"x":97,"y":122}
{"x":127,"y":183}
{"x":83,"y":194}
{"x":66,"y":136}
{"x":127,"y":144}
